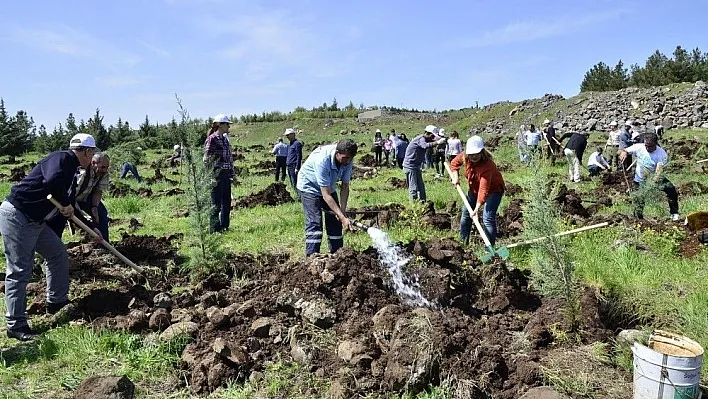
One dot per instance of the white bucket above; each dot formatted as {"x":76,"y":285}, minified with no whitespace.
{"x":670,"y":368}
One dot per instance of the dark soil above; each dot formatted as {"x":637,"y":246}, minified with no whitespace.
{"x":377,"y":215}
{"x":273,"y":195}
{"x":512,"y":189}
{"x":397,"y":183}
{"x":265,"y":165}
{"x":160,"y":177}
{"x":366,"y":160}
{"x":692,"y":188}
{"x":571,"y":202}
{"x":17,"y":174}
{"x":511,"y":222}
{"x":119,"y":189}
{"x":691,"y":246}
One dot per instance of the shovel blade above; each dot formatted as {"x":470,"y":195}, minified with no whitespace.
{"x":503,"y":252}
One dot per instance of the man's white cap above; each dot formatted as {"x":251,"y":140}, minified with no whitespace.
{"x":82,"y":140}
{"x":289,"y":131}
{"x":139,"y":148}
{"x":628,"y":122}
{"x":378,"y":130}
{"x":176,"y":147}
{"x":431,"y":129}
{"x":613,"y":123}
{"x":474,"y":145}
{"x":441,"y":132}
{"x":221,"y":118}
{"x":658,"y":127}
{"x":547,"y":122}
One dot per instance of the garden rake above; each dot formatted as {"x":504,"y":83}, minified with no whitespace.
{"x":490,"y":252}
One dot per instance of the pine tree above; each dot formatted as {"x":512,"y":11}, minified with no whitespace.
{"x":96,"y":128}
{"x":71,"y":127}
{"x":147,"y":130}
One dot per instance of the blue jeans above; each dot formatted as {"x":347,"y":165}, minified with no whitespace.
{"x":489,"y":216}
{"x":21,"y":237}
{"x":129,"y":167}
{"x":58,"y":222}
{"x":416,"y":185}
{"x":313,"y":206}
{"x":221,"y":199}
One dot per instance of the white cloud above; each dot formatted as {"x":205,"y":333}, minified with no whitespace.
{"x":527,"y":31}
{"x":68,"y":41}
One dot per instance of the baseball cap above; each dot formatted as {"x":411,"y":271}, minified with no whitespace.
{"x":289,"y":131}
{"x":82,"y":140}
{"x":176,"y":147}
{"x":628,"y":122}
{"x":546,"y":122}
{"x":378,"y":130}
{"x":613,"y":123}
{"x":431,"y":129}
{"x":474,"y":145}
{"x":221,"y":118}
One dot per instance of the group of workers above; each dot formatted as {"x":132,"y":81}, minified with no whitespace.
{"x":77,"y":178}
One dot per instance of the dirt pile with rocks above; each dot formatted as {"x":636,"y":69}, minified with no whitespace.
{"x":273,"y":195}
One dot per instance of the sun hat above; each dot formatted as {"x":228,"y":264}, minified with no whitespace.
{"x":82,"y":140}
{"x":431,"y":129}
{"x":221,"y":118}
{"x":547,"y":122}
{"x":474,"y":145}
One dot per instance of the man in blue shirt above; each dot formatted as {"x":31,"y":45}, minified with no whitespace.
{"x":294,"y":158}
{"x":413,"y":161}
{"x":23,"y":226}
{"x":317,"y":186}
{"x":280,"y":150}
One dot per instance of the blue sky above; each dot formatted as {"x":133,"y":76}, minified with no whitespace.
{"x":129,"y":57}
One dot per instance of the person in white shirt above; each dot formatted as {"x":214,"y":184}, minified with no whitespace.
{"x":597,"y":162}
{"x":651,"y":159}
{"x":532,"y":137}
{"x":280,"y":150}
{"x":394,"y":142}
{"x":454,"y":146}
{"x":613,"y":141}
{"x":521,"y":143}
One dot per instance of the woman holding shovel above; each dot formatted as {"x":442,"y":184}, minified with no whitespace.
{"x":486,"y":187}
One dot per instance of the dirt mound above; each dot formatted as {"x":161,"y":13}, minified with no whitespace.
{"x":17,"y":174}
{"x":397,"y":183}
{"x":160,"y":177}
{"x":363,"y":172}
{"x":170,"y":192}
{"x":692,"y":188}
{"x":119,"y":189}
{"x":377,"y":215}
{"x":512,"y":189}
{"x":366,"y":160}
{"x":147,"y":249}
{"x":511,"y":221}
{"x":273,"y":195}
{"x":265,"y":165}
{"x":616,"y":181}
{"x":571,"y":202}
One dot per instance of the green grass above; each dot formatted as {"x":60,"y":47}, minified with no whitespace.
{"x":662,"y":288}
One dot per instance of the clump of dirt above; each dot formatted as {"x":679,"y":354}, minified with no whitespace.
{"x":440,"y":221}
{"x":512,"y":189}
{"x":615,"y":180}
{"x":17,"y":174}
{"x":511,"y":221}
{"x":571,"y":202}
{"x":397,"y":183}
{"x":119,"y":189}
{"x":256,"y":147}
{"x":691,"y":246}
{"x":171,"y":192}
{"x":265,"y":165}
{"x":367,"y":160}
{"x":685,"y":151}
{"x":377,"y":215}
{"x":148,"y":249}
{"x":363,"y":172}
{"x":9,"y":161}
{"x":692,"y":188}
{"x":273,"y":195}
{"x":160,"y":177}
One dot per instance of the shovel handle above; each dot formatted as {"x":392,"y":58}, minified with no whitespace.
{"x":93,"y":234}
{"x":475,"y":218}
{"x":702,"y":161}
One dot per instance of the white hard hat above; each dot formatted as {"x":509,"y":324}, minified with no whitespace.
{"x":176,"y":147}
{"x":82,"y":140}
{"x":546,"y":122}
{"x":613,"y":123}
{"x":378,"y":130}
{"x":221,"y":118}
{"x":474,"y":145}
{"x":431,"y":129}
{"x":289,"y":131}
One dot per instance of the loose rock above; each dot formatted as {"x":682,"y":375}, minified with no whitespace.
{"x":105,"y":387}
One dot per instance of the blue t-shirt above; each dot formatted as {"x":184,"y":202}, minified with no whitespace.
{"x":280,"y":150}
{"x":320,"y":170}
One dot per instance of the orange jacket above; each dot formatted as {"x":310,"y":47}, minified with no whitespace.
{"x":483,"y":178}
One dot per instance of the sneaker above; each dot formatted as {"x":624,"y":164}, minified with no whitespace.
{"x":674,"y":217}
{"x":22,"y":334}
{"x":53,"y":308}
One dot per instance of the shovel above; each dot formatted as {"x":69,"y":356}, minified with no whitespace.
{"x":501,"y":252}
{"x":107,"y":245}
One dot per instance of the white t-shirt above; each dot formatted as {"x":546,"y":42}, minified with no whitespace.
{"x":646,"y":161}
{"x":614,"y":138}
{"x":454,"y":146}
{"x":532,"y":138}
{"x":598,"y":160}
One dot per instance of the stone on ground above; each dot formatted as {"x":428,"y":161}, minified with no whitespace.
{"x":105,"y":387}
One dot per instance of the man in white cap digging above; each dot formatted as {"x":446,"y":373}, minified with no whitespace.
{"x":413,"y":161}
{"x":24,"y":229}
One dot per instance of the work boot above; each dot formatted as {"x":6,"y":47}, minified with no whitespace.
{"x":52,"y":308}
{"x":675,"y":217}
{"x":24,"y":333}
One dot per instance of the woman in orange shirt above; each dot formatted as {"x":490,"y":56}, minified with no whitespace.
{"x":486,"y":187}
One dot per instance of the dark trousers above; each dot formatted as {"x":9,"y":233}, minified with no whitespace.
{"x":438,"y":160}
{"x":378,"y":151}
{"x":594,"y":170}
{"x":387,"y":153}
{"x":280,"y":168}
{"x":314,"y":205}
{"x":399,"y":162}
{"x":58,"y":222}
{"x":664,"y":185}
{"x":293,"y":178}
{"x":221,"y":199}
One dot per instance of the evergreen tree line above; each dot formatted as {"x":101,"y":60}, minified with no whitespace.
{"x":658,"y":70}
{"x":18,"y":133}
